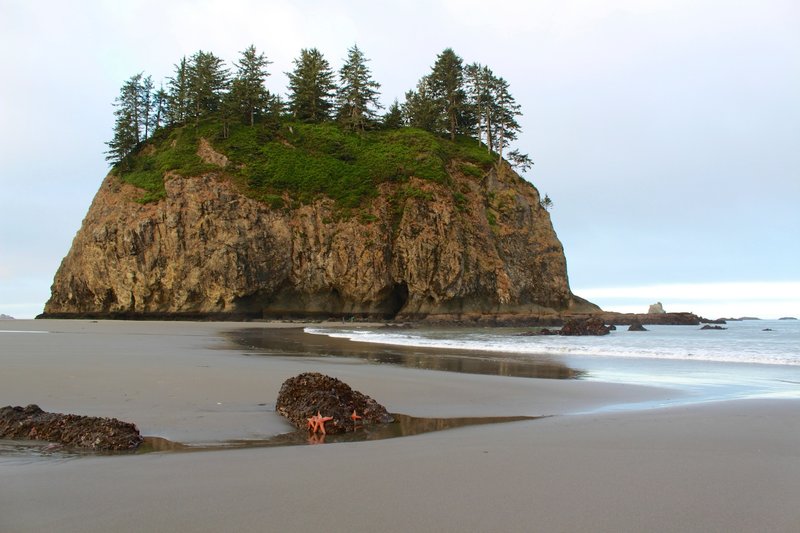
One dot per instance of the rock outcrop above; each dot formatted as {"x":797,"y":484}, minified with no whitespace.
{"x":576,"y":327}
{"x":309,"y":394}
{"x":475,"y":246}
{"x":590,"y":326}
{"x":636,"y":326}
{"x":96,"y":433}
{"x":656,"y":309}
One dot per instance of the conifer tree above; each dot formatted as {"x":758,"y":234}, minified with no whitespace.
{"x":447,"y":85}
{"x":357,"y":95}
{"x":519,"y":160}
{"x":505,"y":113}
{"x":247,"y":90}
{"x":422,"y":109}
{"x":128,"y":126}
{"x":207,"y":82}
{"x":160,"y":105}
{"x":495,"y":110}
{"x":478,"y":87}
{"x":393,"y":118}
{"x":146,"y":104}
{"x":311,"y":87}
{"x":178,"y":102}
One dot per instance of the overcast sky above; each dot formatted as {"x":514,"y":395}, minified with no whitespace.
{"x":667,"y":133}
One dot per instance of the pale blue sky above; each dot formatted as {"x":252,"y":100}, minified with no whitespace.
{"x":667,"y":133}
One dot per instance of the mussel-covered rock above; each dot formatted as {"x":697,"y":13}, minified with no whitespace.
{"x":96,"y":433}
{"x":308,"y":394}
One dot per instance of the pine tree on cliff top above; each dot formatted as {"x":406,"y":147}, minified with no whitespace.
{"x":357,"y":96}
{"x":128,"y":121}
{"x":422,"y":109}
{"x":447,"y":85}
{"x":311,"y":87}
{"x":207,"y":83}
{"x":178,"y":90}
{"x":248,"y":92}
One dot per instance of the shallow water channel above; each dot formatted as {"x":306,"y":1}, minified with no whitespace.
{"x":403,"y":426}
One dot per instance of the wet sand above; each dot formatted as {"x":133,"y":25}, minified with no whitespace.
{"x":732,"y":466}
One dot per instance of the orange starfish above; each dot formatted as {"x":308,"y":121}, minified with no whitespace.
{"x":311,"y":425}
{"x":321,"y":422}
{"x":354,"y":417}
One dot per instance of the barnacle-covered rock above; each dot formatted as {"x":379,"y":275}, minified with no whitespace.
{"x":96,"y":433}
{"x":305,"y":395}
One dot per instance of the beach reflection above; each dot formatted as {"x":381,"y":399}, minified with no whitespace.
{"x":403,"y":426}
{"x":296,"y":342}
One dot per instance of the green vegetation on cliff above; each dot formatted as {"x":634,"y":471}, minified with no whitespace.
{"x":304,"y":160}
{"x":326,"y":139}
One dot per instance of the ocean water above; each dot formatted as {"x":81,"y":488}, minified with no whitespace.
{"x":754,"y":358}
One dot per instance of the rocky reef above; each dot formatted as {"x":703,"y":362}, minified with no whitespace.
{"x":479,"y":244}
{"x":95,"y":433}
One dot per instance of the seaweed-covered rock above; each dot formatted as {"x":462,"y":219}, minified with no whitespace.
{"x":305,"y":395}
{"x":96,"y":433}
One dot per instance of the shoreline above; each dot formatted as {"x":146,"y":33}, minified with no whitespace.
{"x":189,"y":383}
{"x":726,"y":466}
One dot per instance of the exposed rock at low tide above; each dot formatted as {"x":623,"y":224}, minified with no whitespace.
{"x":96,"y":433}
{"x":712,"y":327}
{"x":663,"y":319}
{"x":590,"y":326}
{"x":305,"y":395}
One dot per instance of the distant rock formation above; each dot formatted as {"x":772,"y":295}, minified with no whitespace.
{"x":102,"y":434}
{"x":712,"y":327}
{"x":666,"y":319}
{"x":656,"y":309}
{"x":787,"y":318}
{"x":6,"y":317}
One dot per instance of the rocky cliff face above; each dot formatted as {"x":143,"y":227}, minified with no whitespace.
{"x":477,"y":246}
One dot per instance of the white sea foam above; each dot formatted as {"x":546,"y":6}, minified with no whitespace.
{"x":742,"y":342}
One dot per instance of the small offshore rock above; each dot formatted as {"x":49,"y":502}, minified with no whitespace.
{"x":303,"y":396}
{"x":636,"y":326}
{"x":712,"y":327}
{"x":589,"y":326}
{"x":575,"y":327}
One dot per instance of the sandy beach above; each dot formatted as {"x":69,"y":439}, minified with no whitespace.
{"x":724,"y":466}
